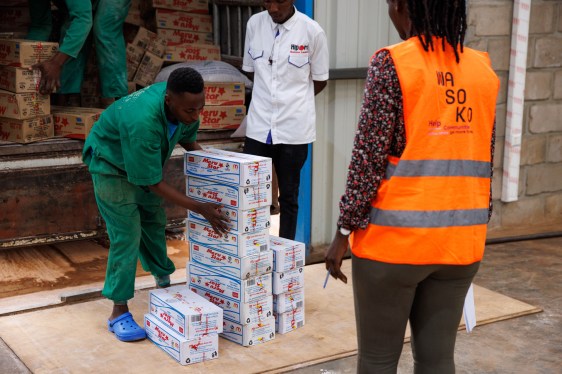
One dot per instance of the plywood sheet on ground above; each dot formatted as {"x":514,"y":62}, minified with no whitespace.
{"x":74,"y":338}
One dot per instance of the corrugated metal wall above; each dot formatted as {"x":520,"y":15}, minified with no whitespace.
{"x":355,"y":29}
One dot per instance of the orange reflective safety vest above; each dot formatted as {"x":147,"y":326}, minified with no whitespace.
{"x":432,"y":206}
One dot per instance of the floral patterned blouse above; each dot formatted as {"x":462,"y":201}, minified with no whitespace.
{"x":380,"y":133}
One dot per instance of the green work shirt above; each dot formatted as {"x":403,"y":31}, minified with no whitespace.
{"x":79,"y":24}
{"x":131,"y":138}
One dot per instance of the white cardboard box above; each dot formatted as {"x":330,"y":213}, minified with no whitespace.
{"x":243,"y":198}
{"x":241,"y":290}
{"x":234,"y":243}
{"x":184,"y":351}
{"x":238,"y":267}
{"x":228,"y":167}
{"x":288,"y":281}
{"x":250,"y":220}
{"x":288,"y":301}
{"x":287,"y":322}
{"x":287,"y":254}
{"x":185,"y":312}
{"x":242,"y":313}
{"x":250,"y":334}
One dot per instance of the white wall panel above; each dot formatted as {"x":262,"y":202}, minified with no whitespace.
{"x":355,"y":30}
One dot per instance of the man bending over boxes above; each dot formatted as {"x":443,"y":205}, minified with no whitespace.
{"x":125,"y":152}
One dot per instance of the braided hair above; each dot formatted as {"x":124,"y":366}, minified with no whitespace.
{"x":185,"y":80}
{"x":441,"y":18}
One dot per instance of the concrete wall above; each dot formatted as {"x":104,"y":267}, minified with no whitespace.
{"x":540,"y":189}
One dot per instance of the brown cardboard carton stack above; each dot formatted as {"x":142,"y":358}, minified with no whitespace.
{"x":224,"y":106}
{"x":188,"y":29}
{"x":74,"y":122}
{"x":144,"y":57}
{"x":25,"y":114}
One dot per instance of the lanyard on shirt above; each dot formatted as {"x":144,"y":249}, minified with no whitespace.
{"x":273,"y":47}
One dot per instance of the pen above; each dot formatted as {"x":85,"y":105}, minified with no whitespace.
{"x":327,"y":277}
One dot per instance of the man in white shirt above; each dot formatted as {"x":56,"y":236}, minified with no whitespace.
{"x":286,"y":55}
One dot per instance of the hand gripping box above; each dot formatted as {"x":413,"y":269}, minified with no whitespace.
{"x":288,"y":281}
{"x":287,"y":254}
{"x":238,"y":267}
{"x":250,"y":334}
{"x":250,"y":220}
{"x":235,"y":168}
{"x":240,"y":290}
{"x":234,"y":243}
{"x":243,"y":198}
{"x":289,"y":321}
{"x":288,"y":301}
{"x":242,"y":313}
{"x":185,"y":312}
{"x":182,"y":350}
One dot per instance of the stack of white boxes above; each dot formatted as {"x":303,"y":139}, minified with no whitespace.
{"x":233,"y":270}
{"x":183,"y":324}
{"x":288,"y":283}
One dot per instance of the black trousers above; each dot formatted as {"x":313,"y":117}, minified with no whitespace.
{"x":431,"y":297}
{"x":288,"y":160}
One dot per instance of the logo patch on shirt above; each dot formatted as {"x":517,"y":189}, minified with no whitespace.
{"x":299,"y":48}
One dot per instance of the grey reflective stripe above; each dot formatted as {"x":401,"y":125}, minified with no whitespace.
{"x":390,"y":168}
{"x":439,"y":168}
{"x":433,"y":218}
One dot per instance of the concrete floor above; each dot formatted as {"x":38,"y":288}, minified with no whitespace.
{"x":530,"y":271}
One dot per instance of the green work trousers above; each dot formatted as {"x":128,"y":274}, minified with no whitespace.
{"x":107,"y":34}
{"x":135,"y":221}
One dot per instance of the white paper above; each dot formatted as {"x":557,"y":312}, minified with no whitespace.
{"x":469,"y":310}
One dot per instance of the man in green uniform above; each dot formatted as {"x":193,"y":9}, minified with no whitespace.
{"x":125,"y":152}
{"x":65,"y":71}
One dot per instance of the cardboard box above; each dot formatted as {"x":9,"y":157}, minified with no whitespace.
{"x":250,"y":334}
{"x":192,"y":6}
{"x":287,"y":254}
{"x":134,"y":57}
{"x":14,"y":18}
{"x":25,"y":53}
{"x":180,"y":37}
{"x":238,"y":267}
{"x":288,"y":301}
{"x":242,"y":313}
{"x":290,"y":321}
{"x":235,"y":168}
{"x":186,"y":313}
{"x":224,"y":93}
{"x":24,"y":105}
{"x":288,"y":281}
{"x":184,"y":351}
{"x":148,"y":69}
{"x":240,"y":290}
{"x":192,"y":52}
{"x":222,"y":117}
{"x":150,"y":41}
{"x":243,"y":198}
{"x":131,"y":87}
{"x":178,"y":20}
{"x":27,"y":130}
{"x":233,"y":243}
{"x":74,"y":122}
{"x":134,"y":14}
{"x":250,"y":220}
{"x":90,"y":101}
{"x":19,"y":80}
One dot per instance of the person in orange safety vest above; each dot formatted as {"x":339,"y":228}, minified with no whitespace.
{"x":418,"y":196}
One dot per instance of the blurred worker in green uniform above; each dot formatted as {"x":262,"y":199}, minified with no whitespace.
{"x":125,"y":153}
{"x":64,"y":72}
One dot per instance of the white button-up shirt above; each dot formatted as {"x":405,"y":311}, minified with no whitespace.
{"x":284,"y":68}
